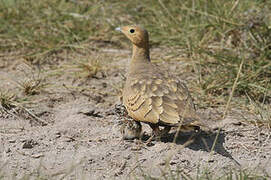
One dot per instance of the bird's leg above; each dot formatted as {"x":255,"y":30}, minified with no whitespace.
{"x":155,"y":129}
{"x":155,"y":132}
{"x":165,"y":130}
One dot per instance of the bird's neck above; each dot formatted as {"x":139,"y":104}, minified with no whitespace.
{"x":140,"y":59}
{"x":140,"y":54}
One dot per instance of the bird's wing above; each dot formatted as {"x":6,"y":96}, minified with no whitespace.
{"x":159,"y":100}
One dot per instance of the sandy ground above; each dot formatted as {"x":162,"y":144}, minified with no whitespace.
{"x":81,"y":137}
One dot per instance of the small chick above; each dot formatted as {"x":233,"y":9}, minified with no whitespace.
{"x":131,"y":130}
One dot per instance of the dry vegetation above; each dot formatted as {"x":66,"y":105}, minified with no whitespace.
{"x":226,"y":43}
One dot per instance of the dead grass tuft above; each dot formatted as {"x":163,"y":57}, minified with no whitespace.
{"x":88,"y":68}
{"x":32,"y":82}
{"x":216,"y":36}
{"x":6,"y":100}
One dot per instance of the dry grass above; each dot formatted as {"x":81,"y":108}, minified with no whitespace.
{"x":6,"y":100}
{"x":216,"y":36}
{"x":86,"y":68}
{"x":32,"y":83}
{"x":179,"y":174}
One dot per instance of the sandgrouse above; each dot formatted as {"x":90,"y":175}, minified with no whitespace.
{"x":131,"y":130}
{"x":153,"y":96}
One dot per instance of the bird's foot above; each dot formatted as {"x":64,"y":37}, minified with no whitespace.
{"x":157,"y":134}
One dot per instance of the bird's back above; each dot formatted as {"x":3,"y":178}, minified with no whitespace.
{"x":151,"y":95}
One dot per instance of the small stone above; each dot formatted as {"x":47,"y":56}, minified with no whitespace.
{"x":127,"y":157}
{"x":58,"y":134}
{"x":68,"y":139}
{"x":162,"y":163}
{"x":211,"y":160}
{"x":104,"y":85}
{"x":237,"y":123}
{"x":37,"y":155}
{"x":7,"y":150}
{"x":12,"y":141}
{"x":136,"y":148}
{"x":172,"y":162}
{"x":27,"y":145}
{"x":90,"y":112}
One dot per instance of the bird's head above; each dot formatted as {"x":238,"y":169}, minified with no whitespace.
{"x":138,"y":35}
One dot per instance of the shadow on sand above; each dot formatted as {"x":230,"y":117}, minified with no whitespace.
{"x":200,"y":141}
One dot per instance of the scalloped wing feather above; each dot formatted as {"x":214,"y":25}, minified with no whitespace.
{"x":156,"y":100}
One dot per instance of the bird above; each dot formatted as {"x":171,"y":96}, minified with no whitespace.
{"x":153,"y":96}
{"x":131,"y":130}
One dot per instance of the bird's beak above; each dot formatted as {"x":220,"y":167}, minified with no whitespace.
{"x":118,"y":29}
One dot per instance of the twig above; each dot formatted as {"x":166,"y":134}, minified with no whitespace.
{"x":136,"y":165}
{"x":234,"y":6}
{"x":228,"y":104}
{"x":233,"y":87}
{"x":72,"y":93}
{"x":43,"y":122}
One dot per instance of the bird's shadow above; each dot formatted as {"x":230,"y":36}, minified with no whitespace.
{"x":205,"y":141}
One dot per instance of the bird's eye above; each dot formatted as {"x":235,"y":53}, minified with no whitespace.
{"x":132,"y":30}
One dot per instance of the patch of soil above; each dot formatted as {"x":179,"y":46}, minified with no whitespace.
{"x":82,"y":138}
